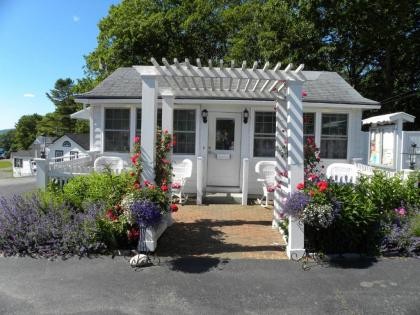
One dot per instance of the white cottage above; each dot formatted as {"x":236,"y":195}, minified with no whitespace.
{"x":68,"y":147}
{"x":224,"y":121}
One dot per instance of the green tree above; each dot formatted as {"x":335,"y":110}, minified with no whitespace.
{"x":26,"y":131}
{"x":136,"y":30}
{"x":7,"y":141}
{"x":63,"y":98}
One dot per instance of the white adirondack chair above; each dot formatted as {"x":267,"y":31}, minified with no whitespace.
{"x":266,"y":171}
{"x":114,"y":163}
{"x":181,"y":174}
{"x":342,"y":172}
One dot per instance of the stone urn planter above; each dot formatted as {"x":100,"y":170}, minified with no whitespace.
{"x":150,"y":235}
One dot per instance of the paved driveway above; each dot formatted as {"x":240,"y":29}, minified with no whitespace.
{"x":11,"y":186}
{"x":207,"y":286}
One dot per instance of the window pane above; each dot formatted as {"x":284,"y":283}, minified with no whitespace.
{"x":264,"y":134}
{"x":334,"y":124}
{"x":309,"y":124}
{"x":117,"y":141}
{"x":264,"y":147}
{"x":117,"y":119}
{"x":225,"y":134}
{"x":334,"y":136}
{"x":138,"y":120}
{"x":184,"y":131}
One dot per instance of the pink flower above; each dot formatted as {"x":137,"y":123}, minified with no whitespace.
{"x":176,"y":185}
{"x":165,"y":131}
{"x":304,"y":93}
{"x":146,"y":182}
{"x":136,"y":139}
{"x":166,"y":161}
{"x":271,"y":188}
{"x":164,"y":188}
{"x":300,"y":186}
{"x":312,"y":177}
{"x":401,"y":211}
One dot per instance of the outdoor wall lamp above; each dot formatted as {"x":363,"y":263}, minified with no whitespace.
{"x":204,"y":115}
{"x":246,"y":116}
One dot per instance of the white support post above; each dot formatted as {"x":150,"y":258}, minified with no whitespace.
{"x":245,"y":175}
{"x":133,"y":125}
{"x":167,"y":111}
{"x":281,"y":162}
{"x":42,"y":173}
{"x":199,"y":180}
{"x":295,"y":244}
{"x":148,"y":125}
{"x":399,"y":161}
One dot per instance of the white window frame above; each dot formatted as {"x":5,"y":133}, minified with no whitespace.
{"x":18,"y":165}
{"x":348,"y":135}
{"x":105,"y":108}
{"x":196,"y":126}
{"x":253,"y":121}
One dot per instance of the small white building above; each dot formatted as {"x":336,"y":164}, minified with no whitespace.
{"x":225,"y":121}
{"x":23,"y":163}
{"x":68,"y":147}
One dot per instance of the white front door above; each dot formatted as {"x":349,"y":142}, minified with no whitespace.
{"x":224,"y":149}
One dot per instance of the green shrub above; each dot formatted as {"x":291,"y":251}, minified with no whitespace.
{"x":105,"y":188}
{"x":365,"y":209}
{"x":415,"y":225}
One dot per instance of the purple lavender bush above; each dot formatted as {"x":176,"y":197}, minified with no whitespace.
{"x":146,"y":213}
{"x":296,"y":203}
{"x":28,"y":226}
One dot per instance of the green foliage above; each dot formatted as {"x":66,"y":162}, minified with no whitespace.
{"x":26,"y":131}
{"x":104,"y":188}
{"x":415,"y":225}
{"x":163,"y":167}
{"x":365,"y":208}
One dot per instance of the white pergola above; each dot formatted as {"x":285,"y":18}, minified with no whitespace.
{"x":284,"y":87}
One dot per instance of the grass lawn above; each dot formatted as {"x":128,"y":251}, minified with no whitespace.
{"x":5,"y":164}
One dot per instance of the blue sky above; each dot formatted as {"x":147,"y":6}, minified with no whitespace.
{"x":41,"y":41}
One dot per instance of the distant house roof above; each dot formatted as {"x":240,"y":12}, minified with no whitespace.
{"x":81,"y":139}
{"x":23,"y":153}
{"x":43,"y":140}
{"x":389,"y":119}
{"x":330,"y":87}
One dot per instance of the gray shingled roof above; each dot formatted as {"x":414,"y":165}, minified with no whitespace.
{"x":330,"y":87}
{"x":81,"y":139}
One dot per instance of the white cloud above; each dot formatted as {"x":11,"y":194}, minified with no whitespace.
{"x":76,"y":18}
{"x":28,"y":95}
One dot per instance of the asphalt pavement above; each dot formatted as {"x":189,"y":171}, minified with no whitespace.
{"x":12,"y":186}
{"x":104,"y":285}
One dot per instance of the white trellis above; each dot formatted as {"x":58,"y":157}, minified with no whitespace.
{"x":223,"y":81}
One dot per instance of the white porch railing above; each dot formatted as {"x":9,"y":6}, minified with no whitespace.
{"x":60,"y":169}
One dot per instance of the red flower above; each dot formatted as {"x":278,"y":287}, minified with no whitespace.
{"x":146,"y":182}
{"x":322,"y":186}
{"x":312,"y":177}
{"x":165,"y":131}
{"x":133,"y":234}
{"x":164,"y":188}
{"x":311,"y":193}
{"x":165,"y":161}
{"x":136,"y":139}
{"x":132,"y":174}
{"x":304,"y":93}
{"x":137,"y":186}
{"x":300,"y":186}
{"x":151,"y":186}
{"x":134,"y":158}
{"x":173,"y":207}
{"x":111,"y":215}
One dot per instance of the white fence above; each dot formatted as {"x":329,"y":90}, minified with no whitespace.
{"x":59,"y":170}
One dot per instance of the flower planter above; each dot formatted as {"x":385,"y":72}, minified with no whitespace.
{"x":150,"y":235}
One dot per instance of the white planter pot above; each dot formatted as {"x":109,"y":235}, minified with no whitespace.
{"x":150,"y":235}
